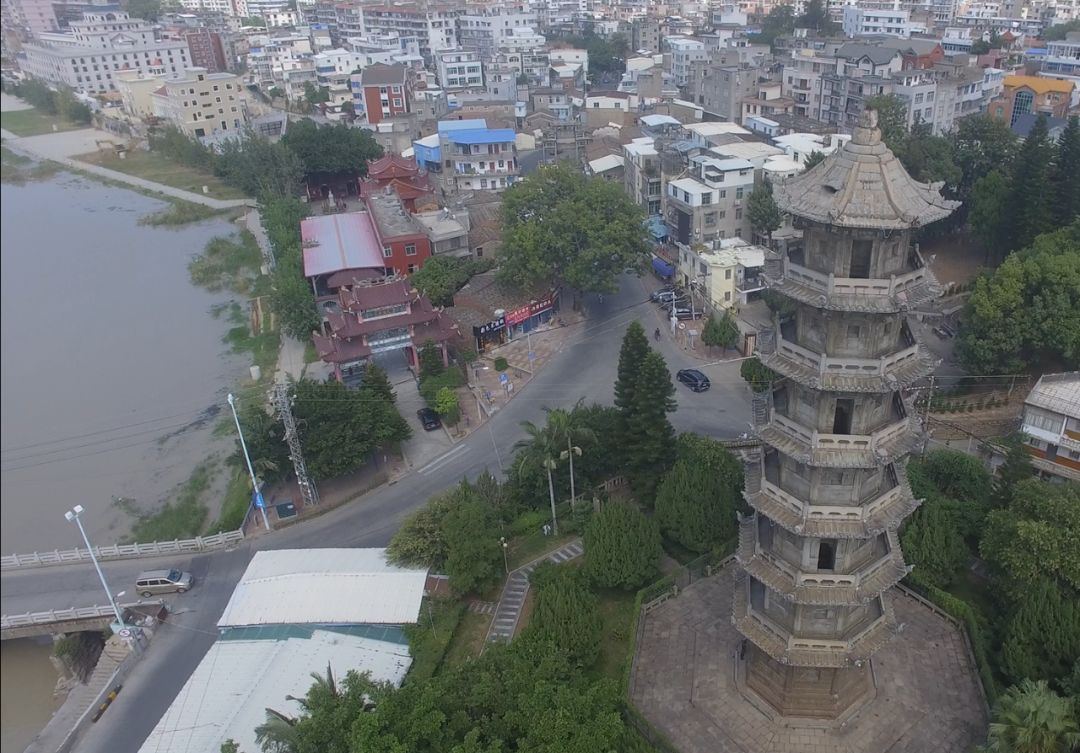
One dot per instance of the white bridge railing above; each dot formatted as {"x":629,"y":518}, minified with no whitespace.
{"x":52,"y":616}
{"x":121,"y":551}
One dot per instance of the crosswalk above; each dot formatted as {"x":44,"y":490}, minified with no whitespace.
{"x":512,"y":600}
{"x":445,"y":459}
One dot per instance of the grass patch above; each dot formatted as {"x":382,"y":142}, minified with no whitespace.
{"x":468,"y":640}
{"x":617,"y":617}
{"x":179,"y":212}
{"x":181,"y":518}
{"x":431,"y":636}
{"x":231,"y":263}
{"x":234,"y":507}
{"x":263,"y":347}
{"x":33,"y":122}
{"x":18,"y":169}
{"x":527,"y":547}
{"x":160,"y":169}
{"x":310,"y":354}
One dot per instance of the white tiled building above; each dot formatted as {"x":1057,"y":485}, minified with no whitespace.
{"x":459,"y":69}
{"x":203,"y":104}
{"x":99,"y":46}
{"x":684,"y":52}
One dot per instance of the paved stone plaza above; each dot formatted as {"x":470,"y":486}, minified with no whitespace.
{"x":927,"y":699}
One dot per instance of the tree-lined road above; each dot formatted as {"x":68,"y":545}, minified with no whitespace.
{"x":584,"y":369}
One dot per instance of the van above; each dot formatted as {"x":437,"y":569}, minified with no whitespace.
{"x":162,"y":582}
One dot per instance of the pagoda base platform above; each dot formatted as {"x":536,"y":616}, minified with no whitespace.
{"x":689,"y":680}
{"x":823,"y":696}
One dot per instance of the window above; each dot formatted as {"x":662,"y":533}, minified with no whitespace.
{"x":826,"y":559}
{"x":738,"y":193}
{"x":410,"y":249}
{"x":710,"y":219}
{"x":387,"y":252}
{"x":727,"y":295}
{"x":479,"y":252}
{"x":412,"y":268}
{"x":727,"y":274}
{"x":1044,"y":420}
{"x":738,"y":214}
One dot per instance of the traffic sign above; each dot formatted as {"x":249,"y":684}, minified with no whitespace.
{"x":503,"y":379}
{"x":532,"y":355}
{"x":259,"y":501}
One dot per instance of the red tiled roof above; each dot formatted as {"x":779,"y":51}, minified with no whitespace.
{"x":392,"y":166}
{"x":332,"y":350}
{"x":360,"y":297}
{"x":349,"y":276}
{"x":346,"y":325}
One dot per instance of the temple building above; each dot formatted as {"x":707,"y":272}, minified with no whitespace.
{"x":820,"y":552}
{"x":403,"y":176}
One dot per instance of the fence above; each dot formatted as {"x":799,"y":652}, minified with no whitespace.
{"x":121,"y":551}
{"x":57,"y":615}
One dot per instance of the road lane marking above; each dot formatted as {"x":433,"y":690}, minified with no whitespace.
{"x":444,"y":459}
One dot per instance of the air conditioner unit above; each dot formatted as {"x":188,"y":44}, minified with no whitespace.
{"x":738,"y":204}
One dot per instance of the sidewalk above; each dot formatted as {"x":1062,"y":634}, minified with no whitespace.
{"x":61,"y":147}
{"x":512,"y":599}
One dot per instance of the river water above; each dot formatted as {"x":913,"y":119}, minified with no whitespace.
{"x":113,"y":375}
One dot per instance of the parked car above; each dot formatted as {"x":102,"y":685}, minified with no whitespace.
{"x":429,"y":419}
{"x":694,"y":379}
{"x":665,"y":294}
{"x":687,"y":313}
{"x":680,"y":302}
{"x":153,"y":582}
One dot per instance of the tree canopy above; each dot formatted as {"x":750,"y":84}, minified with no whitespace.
{"x":648,"y":445}
{"x":697,"y":501}
{"x":1032,"y":718}
{"x":442,"y":276}
{"x":331,"y":148}
{"x":551,"y":235}
{"x":622,"y":547}
{"x":765,"y":215}
{"x":566,"y":613}
{"x":1028,"y":311}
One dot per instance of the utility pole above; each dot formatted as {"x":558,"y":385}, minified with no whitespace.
{"x":926,"y":416}
{"x":283,"y":408}
{"x":256,"y":491}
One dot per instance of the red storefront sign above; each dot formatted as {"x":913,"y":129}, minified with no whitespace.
{"x":519,"y":315}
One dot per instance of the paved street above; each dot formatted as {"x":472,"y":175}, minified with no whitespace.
{"x":585,"y":368}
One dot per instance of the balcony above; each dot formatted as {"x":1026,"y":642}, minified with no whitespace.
{"x":810,"y":446}
{"x":883,"y":512}
{"x":897,"y":370}
{"x":867,"y":582}
{"x":898,"y":293}
{"x":809,"y":652}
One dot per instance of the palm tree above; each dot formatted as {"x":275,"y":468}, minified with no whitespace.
{"x":1032,"y":718}
{"x":567,"y":427}
{"x":541,"y":450}
{"x":278,"y":734}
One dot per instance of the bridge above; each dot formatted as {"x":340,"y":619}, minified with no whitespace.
{"x":74,"y":620}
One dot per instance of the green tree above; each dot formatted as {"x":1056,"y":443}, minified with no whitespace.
{"x":442,"y":276}
{"x":1030,"y":203}
{"x":1042,"y":636}
{"x":335,"y":149}
{"x":1057,"y":32}
{"x":892,"y":118}
{"x":293,"y":302}
{"x":539,"y":450}
{"x":377,"y":383}
{"x":816,"y":17}
{"x":1028,"y":311}
{"x":813,"y":159}
{"x":622,"y":547}
{"x":1035,"y":536}
{"x":569,"y":432}
{"x":759,"y":376}
{"x":566,"y":613}
{"x":1066,"y":174}
{"x":265,"y":438}
{"x":389,"y":427}
{"x":934,"y":544}
{"x":723,"y":332}
{"x":148,"y":10}
{"x":474,"y":556}
{"x":171,"y":142}
{"x":989,"y":214}
{"x":632,"y":354}
{"x":70,"y":108}
{"x":421,"y":541}
{"x":447,"y":405}
{"x":1032,"y":718}
{"x":551,"y":236}
{"x":779,"y":304}
{"x":765,"y":215}
{"x":697,"y":501}
{"x":1016,"y":469}
{"x":959,"y":484}
{"x":779,"y":22}
{"x":981,"y":144}
{"x":315,"y":95}
{"x":258,"y":167}
{"x":648,"y":445}
{"x":430,"y":360}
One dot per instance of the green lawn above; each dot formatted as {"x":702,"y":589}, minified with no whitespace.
{"x":616,"y":615}
{"x":34,"y":123}
{"x":152,"y":166}
{"x":468,"y":639}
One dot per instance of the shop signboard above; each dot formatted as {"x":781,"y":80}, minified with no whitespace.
{"x":519,"y":315}
{"x":493,"y":326}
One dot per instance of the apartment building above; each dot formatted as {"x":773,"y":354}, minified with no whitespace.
{"x":766,"y":102}
{"x":801,"y":80}
{"x":709,"y":203}
{"x":207,"y":50}
{"x":31,"y":17}
{"x":727,"y":272}
{"x":486,"y":29}
{"x":459,"y":69}
{"x":533,"y":63}
{"x":1051,"y":426}
{"x":1032,"y":94}
{"x":477,"y":158}
{"x":202,"y":104}
{"x":570,"y":57}
{"x":434,"y":28}
{"x":685,"y":52}
{"x":641,"y":175}
{"x":381,"y":92}
{"x":858,"y":22}
{"x":1062,"y":59}
{"x":720,"y":89}
{"x":98,"y":47}
{"x":645,"y":34}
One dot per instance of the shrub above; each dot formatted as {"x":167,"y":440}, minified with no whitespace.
{"x":566,"y":614}
{"x":451,"y":379}
{"x":622,"y":547}
{"x":501,"y":364}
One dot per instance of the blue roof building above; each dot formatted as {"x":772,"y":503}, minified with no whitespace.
{"x":478,"y":158}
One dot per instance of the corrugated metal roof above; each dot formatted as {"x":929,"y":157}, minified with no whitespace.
{"x":227,"y":695}
{"x":334,"y":242}
{"x":603,"y":164}
{"x":482,"y":136}
{"x":446,"y":126}
{"x":1059,"y":393}
{"x":324,"y":587}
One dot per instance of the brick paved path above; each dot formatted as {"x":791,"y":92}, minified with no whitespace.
{"x":508,"y":612}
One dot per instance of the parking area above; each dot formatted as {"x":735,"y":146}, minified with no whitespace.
{"x":423,"y":446}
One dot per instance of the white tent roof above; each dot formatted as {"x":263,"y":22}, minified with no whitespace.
{"x":324,"y":587}
{"x":605,"y":163}
{"x":227,"y":695}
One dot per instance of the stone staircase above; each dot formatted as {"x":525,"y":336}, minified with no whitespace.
{"x":512,"y":599}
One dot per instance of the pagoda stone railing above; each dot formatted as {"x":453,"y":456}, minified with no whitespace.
{"x":780,"y":269}
{"x":824,"y":366}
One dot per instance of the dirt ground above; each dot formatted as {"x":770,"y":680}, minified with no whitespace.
{"x":954,"y":259}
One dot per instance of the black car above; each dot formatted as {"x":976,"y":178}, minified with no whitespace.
{"x":429,"y":419}
{"x":666,"y":293}
{"x":694,"y":379}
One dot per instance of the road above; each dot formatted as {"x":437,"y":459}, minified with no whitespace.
{"x":585,"y":368}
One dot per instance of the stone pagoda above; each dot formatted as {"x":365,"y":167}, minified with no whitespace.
{"x":820,"y":552}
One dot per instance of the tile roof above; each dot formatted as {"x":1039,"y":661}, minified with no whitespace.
{"x":1040,"y":85}
{"x":335,"y":242}
{"x":381,"y":74}
{"x":874,"y":53}
{"x":1059,"y":393}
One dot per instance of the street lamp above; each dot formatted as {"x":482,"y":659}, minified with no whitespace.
{"x":506,"y":560}
{"x":72,"y":515}
{"x":247,"y":459}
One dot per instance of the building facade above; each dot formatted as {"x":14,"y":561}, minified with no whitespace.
{"x":203,"y":104}
{"x":1032,"y":94}
{"x":710,"y":202}
{"x":382,"y":92}
{"x":1051,"y":426}
{"x":479,"y":159}
{"x":820,"y":552}
{"x":459,"y":69}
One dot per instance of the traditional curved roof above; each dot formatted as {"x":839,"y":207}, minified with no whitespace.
{"x":863,"y":185}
